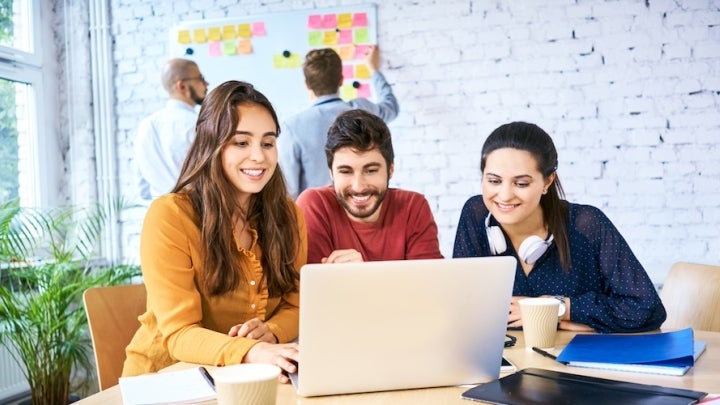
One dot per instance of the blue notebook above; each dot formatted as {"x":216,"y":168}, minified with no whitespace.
{"x":669,"y":353}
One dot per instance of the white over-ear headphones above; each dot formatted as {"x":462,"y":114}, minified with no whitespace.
{"x":530,"y":249}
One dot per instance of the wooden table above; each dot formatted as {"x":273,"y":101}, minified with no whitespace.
{"x":704,"y":376}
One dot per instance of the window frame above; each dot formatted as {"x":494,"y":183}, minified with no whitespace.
{"x":29,"y":68}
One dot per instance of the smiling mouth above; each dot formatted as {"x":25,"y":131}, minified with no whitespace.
{"x":506,"y":206}
{"x":253,"y":172}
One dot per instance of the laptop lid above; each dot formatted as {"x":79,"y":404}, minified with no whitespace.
{"x":403,"y":324}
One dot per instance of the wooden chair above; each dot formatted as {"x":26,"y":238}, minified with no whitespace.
{"x":112,"y":314}
{"x":691,"y":295}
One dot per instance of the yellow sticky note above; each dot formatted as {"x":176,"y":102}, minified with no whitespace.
{"x":214,"y":34}
{"x":344,"y":20}
{"x":294,"y":61}
{"x":199,"y":36}
{"x":244,"y":30}
{"x":228,"y":32}
{"x":348,"y":92}
{"x":229,"y":48}
{"x":280,"y":62}
{"x":362,"y":71}
{"x":184,"y":37}
{"x":330,"y":37}
{"x":244,"y":47}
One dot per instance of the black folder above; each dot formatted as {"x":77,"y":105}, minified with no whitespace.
{"x":538,"y":386}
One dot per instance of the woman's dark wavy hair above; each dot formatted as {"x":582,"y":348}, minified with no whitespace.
{"x":270,"y":211}
{"x":534,"y":140}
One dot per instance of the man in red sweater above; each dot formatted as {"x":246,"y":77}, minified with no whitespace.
{"x":358,"y":217}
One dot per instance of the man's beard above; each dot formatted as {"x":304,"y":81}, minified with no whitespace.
{"x":195,"y":97}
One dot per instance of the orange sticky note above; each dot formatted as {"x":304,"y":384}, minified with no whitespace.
{"x":346,"y":52}
{"x":199,"y":36}
{"x":344,"y":20}
{"x":214,"y":34}
{"x":258,"y":29}
{"x":244,"y":47}
{"x":228,"y":32}
{"x":362,"y":71}
{"x":330,"y":37}
{"x":244,"y":31}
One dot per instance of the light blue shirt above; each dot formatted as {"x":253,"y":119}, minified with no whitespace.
{"x":160,"y":146}
{"x":301,"y":144}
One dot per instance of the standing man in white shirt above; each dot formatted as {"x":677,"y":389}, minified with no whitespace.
{"x":164,"y":137}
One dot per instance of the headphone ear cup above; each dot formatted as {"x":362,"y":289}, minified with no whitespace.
{"x":496,"y":239}
{"x":532,"y":248}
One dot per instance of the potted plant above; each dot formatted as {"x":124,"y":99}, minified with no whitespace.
{"x":48,"y":260}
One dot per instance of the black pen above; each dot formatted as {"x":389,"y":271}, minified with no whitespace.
{"x":546,"y":354}
{"x":207,"y":376}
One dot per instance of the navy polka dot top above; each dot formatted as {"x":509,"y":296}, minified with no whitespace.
{"x":608,"y":288}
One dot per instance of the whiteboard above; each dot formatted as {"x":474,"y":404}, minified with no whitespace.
{"x":268,"y":50}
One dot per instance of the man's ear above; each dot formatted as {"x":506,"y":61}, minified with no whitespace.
{"x":391,"y":170}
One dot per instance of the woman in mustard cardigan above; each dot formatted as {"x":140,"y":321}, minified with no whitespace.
{"x":221,"y":253}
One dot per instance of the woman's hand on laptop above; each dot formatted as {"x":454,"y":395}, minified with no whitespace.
{"x":285,"y":356}
{"x":343,"y":256}
{"x":253,"y":329}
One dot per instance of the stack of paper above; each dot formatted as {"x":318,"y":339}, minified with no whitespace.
{"x":670,"y":353}
{"x":189,"y":386}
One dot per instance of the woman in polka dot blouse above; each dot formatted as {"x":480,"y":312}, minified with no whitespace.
{"x":568,"y":251}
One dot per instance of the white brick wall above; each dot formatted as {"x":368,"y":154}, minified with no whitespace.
{"x":629,"y":90}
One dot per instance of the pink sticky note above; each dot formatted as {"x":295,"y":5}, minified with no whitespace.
{"x":364,"y":90}
{"x":348,"y":71}
{"x":361,"y":51}
{"x":360,"y":20}
{"x":329,"y":21}
{"x":214,"y":49}
{"x":345,"y":37}
{"x":315,"y":22}
{"x":258,"y":29}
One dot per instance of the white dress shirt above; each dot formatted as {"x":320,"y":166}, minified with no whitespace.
{"x":161,"y":143}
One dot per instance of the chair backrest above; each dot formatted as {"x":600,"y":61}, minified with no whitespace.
{"x":691,"y":295}
{"x":112,"y":314}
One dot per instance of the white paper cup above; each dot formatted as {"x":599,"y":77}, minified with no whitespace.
{"x":250,"y":383}
{"x":540,"y":320}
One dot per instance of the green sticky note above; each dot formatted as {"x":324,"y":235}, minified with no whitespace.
{"x":362,"y":36}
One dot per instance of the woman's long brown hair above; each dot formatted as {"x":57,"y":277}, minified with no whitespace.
{"x":270,"y":212}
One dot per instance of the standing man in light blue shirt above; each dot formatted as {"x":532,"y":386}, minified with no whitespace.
{"x":164,"y":137}
{"x":302,"y":144}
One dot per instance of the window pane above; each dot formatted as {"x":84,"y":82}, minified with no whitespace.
{"x":16,"y":162}
{"x":15,"y":27}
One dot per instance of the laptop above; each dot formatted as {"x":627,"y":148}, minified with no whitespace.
{"x":391,"y":325}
